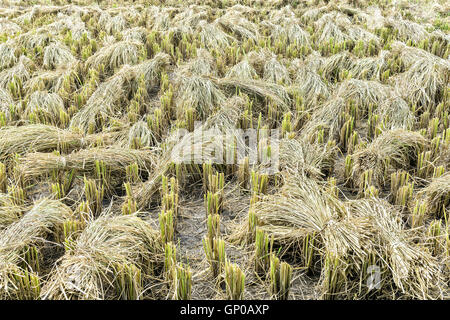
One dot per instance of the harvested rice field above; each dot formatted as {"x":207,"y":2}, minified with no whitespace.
{"x":224,"y":150}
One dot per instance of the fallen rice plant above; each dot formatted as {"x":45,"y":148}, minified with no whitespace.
{"x":20,"y":246}
{"x":119,"y":250}
{"x":37,"y":137}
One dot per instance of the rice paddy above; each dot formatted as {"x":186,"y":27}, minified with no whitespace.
{"x":224,"y":149}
